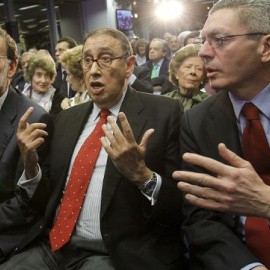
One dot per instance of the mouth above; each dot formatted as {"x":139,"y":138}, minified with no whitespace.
{"x":96,"y":87}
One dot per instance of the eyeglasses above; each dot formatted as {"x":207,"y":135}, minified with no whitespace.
{"x":103,"y":61}
{"x":218,"y":41}
{"x":3,"y":56}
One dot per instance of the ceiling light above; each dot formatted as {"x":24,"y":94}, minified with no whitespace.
{"x":28,"y":7}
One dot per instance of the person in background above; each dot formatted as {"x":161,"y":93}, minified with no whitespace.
{"x":60,"y":83}
{"x":70,"y":60}
{"x":18,"y":79}
{"x":141,"y":51}
{"x":40,"y":74}
{"x":235,"y":44}
{"x":18,"y":213}
{"x":173,"y":45}
{"x":187,"y":72}
{"x":116,"y":172}
{"x":158,"y":65}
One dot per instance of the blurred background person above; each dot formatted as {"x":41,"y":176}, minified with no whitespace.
{"x":60,"y":82}
{"x":187,"y":72}
{"x":141,"y":51}
{"x":40,"y":74}
{"x":18,"y":80}
{"x":174,"y":45}
{"x":188,"y":37}
{"x":70,"y":60}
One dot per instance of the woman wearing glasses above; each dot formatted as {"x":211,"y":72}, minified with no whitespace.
{"x":70,"y":60}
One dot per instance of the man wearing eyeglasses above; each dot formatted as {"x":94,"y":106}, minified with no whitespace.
{"x":233,"y":185}
{"x":129,"y":215}
{"x":17,"y":216}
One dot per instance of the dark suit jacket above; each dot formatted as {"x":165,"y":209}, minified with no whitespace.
{"x":143,"y":81}
{"x":61,"y":85}
{"x":136,"y":235}
{"x":163,"y":76}
{"x":215,"y":243}
{"x":18,"y":80}
{"x":15,"y":217}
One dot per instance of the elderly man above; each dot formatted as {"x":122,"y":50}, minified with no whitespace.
{"x":16,"y":218}
{"x":236,"y":49}
{"x":115,"y":205}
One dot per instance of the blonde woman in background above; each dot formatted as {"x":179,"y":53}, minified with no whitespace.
{"x":70,"y":60}
{"x":187,"y":72}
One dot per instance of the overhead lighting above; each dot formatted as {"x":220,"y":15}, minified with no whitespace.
{"x":29,"y":20}
{"x":44,"y":9}
{"x":31,"y":26}
{"x":136,"y":15}
{"x":169,"y":10}
{"x":1,"y":4}
{"x":28,"y":7}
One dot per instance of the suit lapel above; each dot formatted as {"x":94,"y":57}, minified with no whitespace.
{"x":224,"y":124}
{"x":7,"y":115}
{"x":134,"y":110}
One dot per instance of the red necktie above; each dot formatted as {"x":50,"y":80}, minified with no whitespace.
{"x":77,"y":186}
{"x":256,"y":150}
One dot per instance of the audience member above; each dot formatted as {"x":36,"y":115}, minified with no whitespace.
{"x":141,"y":51}
{"x":158,"y":65}
{"x":173,"y":45}
{"x":235,"y":46}
{"x":16,"y":219}
{"x":40,"y":74}
{"x":18,"y":79}
{"x":70,"y":60}
{"x":60,"y":82}
{"x":130,"y":217}
{"x":187,"y":72}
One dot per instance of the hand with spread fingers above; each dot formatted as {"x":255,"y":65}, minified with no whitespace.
{"x":236,"y":188}
{"x":126,"y":154}
{"x":30,"y":137}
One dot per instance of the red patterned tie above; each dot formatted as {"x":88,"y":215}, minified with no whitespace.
{"x":77,"y":186}
{"x":256,"y":150}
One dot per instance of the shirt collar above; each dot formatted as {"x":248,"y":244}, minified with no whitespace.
{"x":261,"y":101}
{"x":3,"y":98}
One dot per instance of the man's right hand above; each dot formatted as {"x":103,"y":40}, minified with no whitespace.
{"x":30,"y":137}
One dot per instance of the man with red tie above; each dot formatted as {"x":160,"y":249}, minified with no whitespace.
{"x":115,"y":204}
{"x":233,"y":185}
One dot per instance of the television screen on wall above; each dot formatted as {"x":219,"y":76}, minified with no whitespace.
{"x":124,"y":19}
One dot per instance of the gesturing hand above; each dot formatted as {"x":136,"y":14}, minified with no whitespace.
{"x":237,"y":189}
{"x":126,"y":154}
{"x":30,"y":137}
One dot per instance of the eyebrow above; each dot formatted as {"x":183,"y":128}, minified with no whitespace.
{"x":102,"y":49}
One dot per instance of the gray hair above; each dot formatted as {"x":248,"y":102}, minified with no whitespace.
{"x":254,"y":15}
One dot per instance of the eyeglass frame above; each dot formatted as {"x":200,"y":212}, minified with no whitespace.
{"x":222,"y":39}
{"x":3,"y":56}
{"x":97,"y":59}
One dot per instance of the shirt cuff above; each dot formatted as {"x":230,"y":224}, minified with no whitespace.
{"x":251,"y":266}
{"x":155,"y":193}
{"x":30,"y":185}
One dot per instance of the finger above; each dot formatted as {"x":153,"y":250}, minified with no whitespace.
{"x":114,"y":135}
{"x":24,"y":119}
{"x":145,"y":139}
{"x":208,"y":163}
{"x":127,"y":131}
{"x":200,"y":179}
{"x":231,"y":157}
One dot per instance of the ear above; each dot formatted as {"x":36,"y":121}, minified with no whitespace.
{"x":130,"y":65}
{"x":265,"y":57}
{"x":12,"y":69}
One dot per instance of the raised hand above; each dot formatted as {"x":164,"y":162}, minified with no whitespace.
{"x":126,"y":154}
{"x":237,"y":188}
{"x":30,"y":137}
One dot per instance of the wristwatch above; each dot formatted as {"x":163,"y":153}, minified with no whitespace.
{"x":149,"y":186}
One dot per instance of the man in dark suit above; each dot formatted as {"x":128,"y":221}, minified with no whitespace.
{"x":140,"y":79}
{"x":217,"y":178}
{"x":130,"y":217}
{"x":60,"y":82}
{"x":16,"y":219}
{"x":158,"y":65}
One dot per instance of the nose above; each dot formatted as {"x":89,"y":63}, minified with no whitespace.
{"x":206,"y":50}
{"x":94,"y":69}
